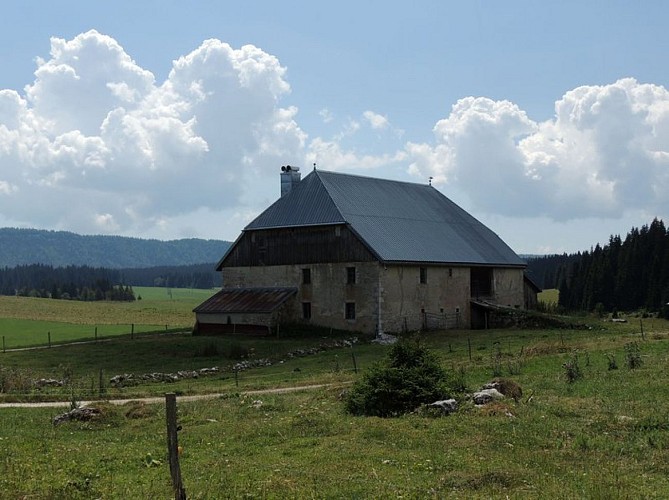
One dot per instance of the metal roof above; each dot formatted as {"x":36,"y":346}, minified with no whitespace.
{"x":245,"y":300}
{"x":399,"y":221}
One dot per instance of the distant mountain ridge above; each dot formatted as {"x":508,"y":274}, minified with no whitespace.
{"x":62,"y":248}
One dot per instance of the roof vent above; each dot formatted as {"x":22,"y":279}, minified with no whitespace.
{"x":290,"y":176}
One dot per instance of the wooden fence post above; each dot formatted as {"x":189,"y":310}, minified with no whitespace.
{"x":355,"y":365}
{"x":132,"y":331}
{"x":3,"y":344}
{"x":101,"y":384}
{"x":96,"y":334}
{"x":49,"y":338}
{"x":173,"y":446}
{"x":469,"y":347}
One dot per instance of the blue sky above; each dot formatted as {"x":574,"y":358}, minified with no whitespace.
{"x":547,"y":121}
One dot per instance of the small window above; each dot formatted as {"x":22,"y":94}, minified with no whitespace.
{"x":350,"y":275}
{"x":306,"y":276}
{"x":350,"y":310}
{"x":423,"y":275}
{"x":450,"y":273}
{"x":306,"y":310}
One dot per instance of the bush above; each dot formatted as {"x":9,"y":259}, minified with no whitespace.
{"x":572,"y":369}
{"x":633,"y":355}
{"x":408,"y":377}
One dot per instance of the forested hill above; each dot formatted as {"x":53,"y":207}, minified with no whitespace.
{"x":625,"y":274}
{"x":60,"y":248}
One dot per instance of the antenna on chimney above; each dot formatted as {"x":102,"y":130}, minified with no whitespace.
{"x":314,"y":165}
{"x":429,"y":181}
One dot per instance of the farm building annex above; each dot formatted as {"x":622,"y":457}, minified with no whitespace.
{"x":363,"y":254}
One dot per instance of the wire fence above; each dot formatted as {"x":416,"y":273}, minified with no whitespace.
{"x":54,"y":339}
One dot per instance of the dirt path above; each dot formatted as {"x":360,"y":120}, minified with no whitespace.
{"x":161,"y":399}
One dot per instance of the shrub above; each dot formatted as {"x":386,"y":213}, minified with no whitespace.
{"x":409,"y":376}
{"x":572,"y":370}
{"x":613,"y":364}
{"x":633,"y":355}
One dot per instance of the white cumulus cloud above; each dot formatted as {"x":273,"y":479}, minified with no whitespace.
{"x":605,"y":152}
{"x":95,"y":144}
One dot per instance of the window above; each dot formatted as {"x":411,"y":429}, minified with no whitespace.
{"x":350,"y":310}
{"x":350,"y":275}
{"x":306,"y":310}
{"x":306,"y":276}
{"x":423,"y":275}
{"x":450,"y":272}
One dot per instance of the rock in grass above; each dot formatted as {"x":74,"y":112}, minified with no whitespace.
{"x":447,"y":406}
{"x":507,"y":387}
{"x":485,"y":396}
{"x":81,"y":414}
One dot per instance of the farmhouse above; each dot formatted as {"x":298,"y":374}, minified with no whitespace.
{"x":364,"y":254}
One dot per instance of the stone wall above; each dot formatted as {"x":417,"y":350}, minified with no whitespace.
{"x":509,"y":287}
{"x":408,"y":304}
{"x":327,"y":293}
{"x":443,"y":300}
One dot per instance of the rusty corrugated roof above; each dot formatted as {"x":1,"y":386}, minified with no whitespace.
{"x":246,"y":300}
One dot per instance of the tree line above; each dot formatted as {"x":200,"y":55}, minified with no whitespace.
{"x":623,"y":275}
{"x":98,"y":283}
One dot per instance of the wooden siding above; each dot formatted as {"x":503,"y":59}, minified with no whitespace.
{"x":299,"y":245}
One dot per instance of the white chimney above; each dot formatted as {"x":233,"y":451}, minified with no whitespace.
{"x":290,"y":176}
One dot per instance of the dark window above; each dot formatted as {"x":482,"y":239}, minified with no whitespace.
{"x":306,"y":310}
{"x":350,"y":275}
{"x":350,"y":310}
{"x":450,"y":273}
{"x":423,"y":275}
{"x":481,"y":282}
{"x":306,"y":276}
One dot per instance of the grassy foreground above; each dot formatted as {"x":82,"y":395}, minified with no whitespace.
{"x":604,"y":435}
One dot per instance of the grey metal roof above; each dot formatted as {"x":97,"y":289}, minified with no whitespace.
{"x":246,"y":300}
{"x":399,"y":221}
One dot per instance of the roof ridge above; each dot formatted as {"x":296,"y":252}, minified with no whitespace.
{"x":377,"y":179}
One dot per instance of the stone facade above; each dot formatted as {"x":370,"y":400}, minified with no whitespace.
{"x":372,"y":297}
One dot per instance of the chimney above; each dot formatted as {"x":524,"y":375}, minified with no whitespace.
{"x":290,"y":176}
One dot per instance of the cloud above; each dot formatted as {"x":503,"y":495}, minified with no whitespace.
{"x":334,"y":157}
{"x":605,"y":152}
{"x":326,"y":115}
{"x":375,"y":120}
{"x":104,"y":147}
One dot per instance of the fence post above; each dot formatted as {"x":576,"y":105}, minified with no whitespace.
{"x":101,"y":383}
{"x":469,"y":347}
{"x":96,"y":334}
{"x":355,"y":364}
{"x":641,"y":323}
{"x":3,"y":344}
{"x":49,"y":337}
{"x":132,"y":331}
{"x":173,"y":446}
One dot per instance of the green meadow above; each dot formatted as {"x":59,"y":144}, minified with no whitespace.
{"x":593,"y":420}
{"x":26,"y":321}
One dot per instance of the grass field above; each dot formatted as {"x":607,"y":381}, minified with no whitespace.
{"x":606,"y":435}
{"x":549,"y":297}
{"x":26,"y":321}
